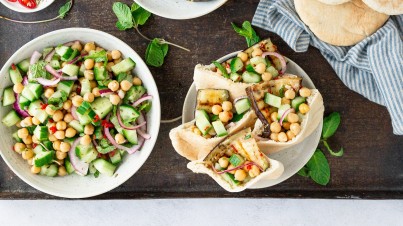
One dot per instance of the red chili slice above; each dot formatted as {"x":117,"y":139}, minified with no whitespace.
{"x":53,"y":129}
{"x":96,"y":118}
{"x":43,"y":106}
{"x":30,"y":4}
{"x":12,"y":0}
{"x":13,"y":67}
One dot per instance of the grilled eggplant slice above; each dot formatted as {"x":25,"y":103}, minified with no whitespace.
{"x":255,"y":94}
{"x":285,"y":81}
{"x":207,"y":98}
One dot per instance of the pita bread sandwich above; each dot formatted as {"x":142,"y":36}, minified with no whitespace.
{"x":236,"y":163}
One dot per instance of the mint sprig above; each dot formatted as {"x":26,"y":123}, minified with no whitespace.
{"x":248,"y":32}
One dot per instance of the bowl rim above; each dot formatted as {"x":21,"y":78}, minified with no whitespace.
{"x":156,"y":106}
{"x":22,"y":9}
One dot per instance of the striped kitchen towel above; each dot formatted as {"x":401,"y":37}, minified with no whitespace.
{"x":372,"y":68}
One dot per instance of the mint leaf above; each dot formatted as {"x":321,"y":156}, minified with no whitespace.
{"x":248,"y":32}
{"x":65,"y":9}
{"x":318,"y":168}
{"x":337,"y":154}
{"x":222,"y":69}
{"x":124,"y":15}
{"x":330,"y":125}
{"x":156,"y":53}
{"x":120,"y":26}
{"x":303,"y":172}
{"x":140,"y":15}
{"x":134,"y":7}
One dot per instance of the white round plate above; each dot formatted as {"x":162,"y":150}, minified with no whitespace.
{"x":16,"y":6}
{"x":75,"y":186}
{"x":180,"y":9}
{"x":293,"y":158}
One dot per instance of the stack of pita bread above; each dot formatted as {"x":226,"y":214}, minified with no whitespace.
{"x":346,"y":22}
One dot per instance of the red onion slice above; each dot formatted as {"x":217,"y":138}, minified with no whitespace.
{"x":285,"y":115}
{"x":142,"y":99}
{"x":240,"y":98}
{"x":126,"y":127}
{"x":280,"y":57}
{"x":77,"y":58}
{"x":70,"y":43}
{"x":74,"y":112}
{"x":47,"y":82}
{"x":70,"y":78}
{"x":144,"y":134}
{"x":140,"y":120}
{"x":17,"y":107}
{"x":105,"y":92}
{"x":136,"y":147}
{"x":49,"y":57}
{"x":52,"y":71}
{"x":25,"y":80}
{"x":80,"y":166}
{"x":35,"y":57}
{"x":238,"y":167}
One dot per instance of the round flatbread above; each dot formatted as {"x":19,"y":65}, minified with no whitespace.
{"x":334,"y":2}
{"x":390,"y":7}
{"x":342,"y":25}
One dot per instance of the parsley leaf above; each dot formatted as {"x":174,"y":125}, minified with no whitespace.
{"x":248,"y":32}
{"x":65,"y":9}
{"x":317,"y":168}
{"x":124,"y":15}
{"x":140,"y":15}
{"x":156,"y":52}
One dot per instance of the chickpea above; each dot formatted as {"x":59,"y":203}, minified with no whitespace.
{"x":257,"y":52}
{"x":70,"y":132}
{"x":35,"y":121}
{"x":56,"y":145}
{"x":89,"y":46}
{"x":260,"y":104}
{"x":137,"y":81}
{"x":289,"y":94}
{"x":119,"y":138}
{"x":58,"y":116}
{"x":260,"y":68}
{"x":35,"y":140}
{"x":61,"y":125}
{"x":117,"y":61}
{"x":290,"y":135}
{"x":89,"y":97}
{"x":240,"y":175}
{"x":68,"y":118}
{"x":292,"y":117}
{"x":89,"y":64}
{"x":18,"y":124}
{"x":295,"y":128}
{"x":286,"y":125}
{"x":95,"y":91}
{"x":23,"y":133}
{"x":197,"y":131}
{"x":89,"y":74}
{"x":85,"y":140}
{"x":231,"y":167}
{"x":304,"y":108}
{"x":98,"y":49}
{"x":109,"y":66}
{"x":304,"y":92}
{"x":254,"y":171}
{"x":27,"y":154}
{"x":227,"y":106}
{"x":35,"y":169}
{"x":273,"y":116}
{"x":282,"y":137}
{"x":99,"y":64}
{"x":27,"y":122}
{"x":216,"y":109}
{"x":64,"y":147}
{"x":243,"y":56}
{"x":27,"y":140}
{"x":49,"y":110}
{"x":267,"y":76}
{"x":116,"y":54}
{"x":60,"y":135}
{"x":62,"y":171}
{"x":285,"y":101}
{"x":89,"y":129}
{"x":109,"y":55}
{"x":275,"y":127}
{"x":61,"y":155}
{"x":72,"y":95}
{"x":30,"y":161}
{"x":125,"y":85}
{"x":113,"y":85}
{"x":115,"y":99}
{"x":274,"y":136}
{"x":77,"y":101}
{"x":18,"y":87}
{"x":19,"y":147}
{"x":77,"y":45}
{"x":49,"y":92}
{"x":225,"y":116}
{"x":223,"y":162}
{"x":52,"y":137}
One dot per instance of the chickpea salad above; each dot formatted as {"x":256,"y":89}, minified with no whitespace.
{"x":78,"y":108}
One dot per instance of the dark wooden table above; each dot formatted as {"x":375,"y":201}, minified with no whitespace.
{"x":372,"y":166}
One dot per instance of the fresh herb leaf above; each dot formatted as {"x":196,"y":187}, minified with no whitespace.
{"x":134,"y":7}
{"x":330,"y":125}
{"x":236,"y":117}
{"x":281,"y":91}
{"x":337,"y":154}
{"x":96,"y":174}
{"x":65,"y":9}
{"x":156,"y":53}
{"x":146,"y":107}
{"x":124,"y":15}
{"x":303,"y":172}
{"x":248,"y":32}
{"x":99,"y":56}
{"x":37,"y":70}
{"x":222,"y":69}
{"x":140,"y":15}
{"x":318,"y":168}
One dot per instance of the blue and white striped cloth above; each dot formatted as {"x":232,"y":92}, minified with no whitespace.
{"x":372,"y":68}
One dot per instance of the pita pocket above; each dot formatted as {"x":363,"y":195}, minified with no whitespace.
{"x":390,"y":7}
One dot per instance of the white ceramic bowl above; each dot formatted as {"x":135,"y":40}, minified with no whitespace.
{"x":293,"y":158}
{"x":75,"y":186}
{"x":180,"y":9}
{"x":22,"y":9}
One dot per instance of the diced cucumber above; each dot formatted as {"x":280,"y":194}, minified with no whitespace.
{"x":41,"y":133}
{"x":124,"y":76}
{"x":242,"y":106}
{"x":82,"y":70}
{"x":86,"y":153}
{"x":272,"y":70}
{"x":128,"y":113}
{"x":83,"y":108}
{"x":106,"y":150}
{"x":257,"y":60}
{"x":115,"y":157}
{"x":236,"y":160}
{"x":23,"y":65}
{"x":222,"y":69}
{"x":202,"y":121}
{"x":236,"y":64}
{"x":134,"y":93}
{"x":66,"y":86}
{"x":23,"y":102}
{"x":125,"y":65}
{"x":85,"y":87}
{"x":8,"y":96}
{"x":250,"y":77}
{"x":84,"y":119}
{"x":115,"y":122}
{"x":39,"y":149}
{"x":70,"y":69}
{"x":75,"y":124}
{"x":220,"y":128}
{"x":58,"y":98}
{"x":102,"y":106}
{"x":272,"y":100}
{"x":55,"y":64}
{"x":69,"y":167}
{"x":15,"y":75}
{"x":16,"y":137}
{"x":49,"y":170}
{"x":27,"y":93}
{"x":297,"y":101}
{"x":11,"y":119}
{"x":104,"y":167}
{"x":281,"y":111}
{"x":36,"y":91}
{"x":130,"y":135}
{"x":98,"y":133}
{"x":73,"y":55}
{"x":235,"y":77}
{"x":48,"y":144}
{"x":230,"y":179}
{"x":64,"y":52}
{"x":250,"y":68}
{"x":35,"y":109}
{"x":100,"y":73}
{"x":43,"y":158}
{"x":91,"y":169}
{"x":46,"y":51}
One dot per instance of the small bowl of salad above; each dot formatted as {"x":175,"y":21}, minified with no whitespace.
{"x":80,"y":112}
{"x":26,"y":6}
